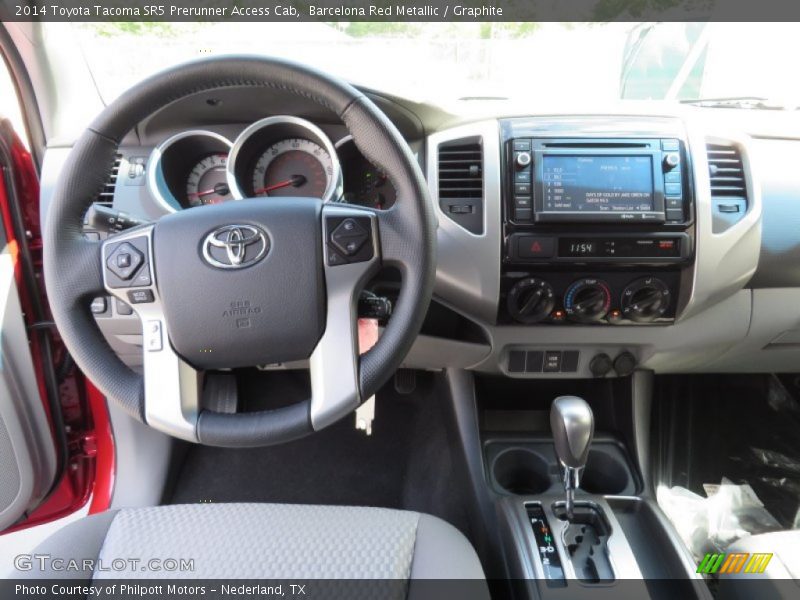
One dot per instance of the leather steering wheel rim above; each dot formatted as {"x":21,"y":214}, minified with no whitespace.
{"x":73,"y":268}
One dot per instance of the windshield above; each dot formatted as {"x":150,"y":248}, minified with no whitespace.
{"x":440,"y":62}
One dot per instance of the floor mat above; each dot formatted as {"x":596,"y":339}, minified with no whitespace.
{"x":745,"y":428}
{"x":408,"y":462}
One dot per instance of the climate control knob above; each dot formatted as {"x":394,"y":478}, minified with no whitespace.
{"x":530,"y":300}
{"x":645,"y":300}
{"x":587,"y":300}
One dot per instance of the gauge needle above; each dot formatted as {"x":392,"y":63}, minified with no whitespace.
{"x":222,"y":191}
{"x":294,"y":180}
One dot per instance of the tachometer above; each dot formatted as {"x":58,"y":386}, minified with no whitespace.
{"x":293,"y":167}
{"x":207,"y":182}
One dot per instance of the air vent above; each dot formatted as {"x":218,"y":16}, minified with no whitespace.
{"x":106,"y":197}
{"x":728,"y":185}
{"x":461,"y":182}
{"x":726,"y":171}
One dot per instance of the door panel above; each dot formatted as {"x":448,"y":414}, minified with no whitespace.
{"x":27,"y":452}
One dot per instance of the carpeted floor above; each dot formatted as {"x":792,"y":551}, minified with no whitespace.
{"x":408,"y":462}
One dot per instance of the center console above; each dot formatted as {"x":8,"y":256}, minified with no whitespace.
{"x":596,"y":230}
{"x":575,"y":514}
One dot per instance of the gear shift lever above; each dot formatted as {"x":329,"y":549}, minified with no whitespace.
{"x":572,"y":422}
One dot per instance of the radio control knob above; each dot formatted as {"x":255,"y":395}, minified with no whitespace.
{"x":645,"y":300}
{"x":523,"y":159}
{"x":531,"y":300}
{"x":671,"y":160}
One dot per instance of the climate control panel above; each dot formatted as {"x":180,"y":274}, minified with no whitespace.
{"x":609,"y":298}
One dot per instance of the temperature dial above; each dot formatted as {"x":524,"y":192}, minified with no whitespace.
{"x":645,"y":300}
{"x":587,"y":300}
{"x":531,"y":300}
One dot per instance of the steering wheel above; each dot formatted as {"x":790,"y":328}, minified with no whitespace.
{"x":245,"y":283}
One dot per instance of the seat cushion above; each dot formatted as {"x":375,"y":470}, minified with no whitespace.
{"x":781,"y":577}
{"x":264,"y":541}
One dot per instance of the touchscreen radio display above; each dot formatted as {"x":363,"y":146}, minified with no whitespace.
{"x":597,"y":184}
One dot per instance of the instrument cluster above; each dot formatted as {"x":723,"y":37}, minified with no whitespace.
{"x":276,"y":156}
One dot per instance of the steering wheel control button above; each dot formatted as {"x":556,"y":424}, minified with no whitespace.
{"x":153,"y":339}
{"x":99,"y":305}
{"x":349,"y":236}
{"x":142,"y":278}
{"x":141,"y":296}
{"x":123,"y":308}
{"x":124,"y":261}
{"x":348,"y":240}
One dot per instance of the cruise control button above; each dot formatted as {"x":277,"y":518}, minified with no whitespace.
{"x":124,"y":261}
{"x":141,"y":296}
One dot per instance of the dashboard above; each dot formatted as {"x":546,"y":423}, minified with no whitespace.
{"x":663,"y":239}
{"x":279,"y":155}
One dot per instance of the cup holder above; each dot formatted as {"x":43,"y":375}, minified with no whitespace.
{"x":604,"y":474}
{"x":521,"y":472}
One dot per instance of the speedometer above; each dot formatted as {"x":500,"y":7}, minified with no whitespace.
{"x":293,"y":167}
{"x":284,"y":156}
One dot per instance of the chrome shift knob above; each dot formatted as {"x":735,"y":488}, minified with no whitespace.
{"x":572,"y":423}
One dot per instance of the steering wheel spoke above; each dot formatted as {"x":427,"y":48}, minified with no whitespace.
{"x":171,"y":386}
{"x":352,"y":256}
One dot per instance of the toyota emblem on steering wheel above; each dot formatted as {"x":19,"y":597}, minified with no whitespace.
{"x":235,"y":246}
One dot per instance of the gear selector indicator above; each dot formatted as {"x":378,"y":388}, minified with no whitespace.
{"x":546,"y":546}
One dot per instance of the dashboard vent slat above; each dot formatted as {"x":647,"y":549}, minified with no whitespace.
{"x":460,"y":165}
{"x":106,"y":196}
{"x":728,"y":184}
{"x":726,"y":171}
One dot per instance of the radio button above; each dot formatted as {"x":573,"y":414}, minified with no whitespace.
{"x":522,"y":189}
{"x":523,"y":176}
{"x":522,"y":145}
{"x":672,"y":177}
{"x":674,"y":202}
{"x":670,"y":145}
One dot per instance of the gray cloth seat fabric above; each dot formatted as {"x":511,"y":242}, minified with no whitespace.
{"x":262,"y":541}
{"x":780,"y":579}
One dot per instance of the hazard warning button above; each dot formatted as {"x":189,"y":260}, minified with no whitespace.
{"x":532,"y":246}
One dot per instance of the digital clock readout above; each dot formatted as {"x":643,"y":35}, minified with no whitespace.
{"x":582,"y":248}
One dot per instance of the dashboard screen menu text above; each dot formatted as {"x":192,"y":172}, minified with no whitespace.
{"x":597,"y":184}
